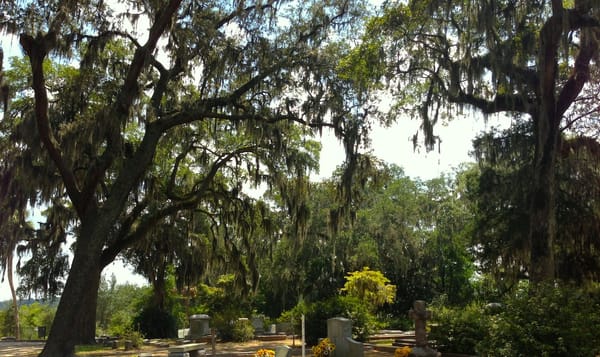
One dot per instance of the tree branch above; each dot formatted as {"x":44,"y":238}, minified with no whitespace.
{"x":581,"y":69}
{"x":120,"y":110}
{"x":37,"y":49}
{"x":127,"y":237}
{"x":501,"y":103}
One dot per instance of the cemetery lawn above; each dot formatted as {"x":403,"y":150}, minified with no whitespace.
{"x":255,"y":345}
{"x":82,"y":349}
{"x":98,"y":350}
{"x":243,"y":348}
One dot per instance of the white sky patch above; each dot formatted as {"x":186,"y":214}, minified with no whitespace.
{"x":394,"y":145}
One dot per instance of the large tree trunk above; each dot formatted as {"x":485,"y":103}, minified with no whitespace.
{"x":542,"y":219}
{"x":75,"y":319}
{"x":11,"y":284}
{"x":159,"y":288}
{"x":542,"y":224}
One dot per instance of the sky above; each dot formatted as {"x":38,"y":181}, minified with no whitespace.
{"x":394,"y":145}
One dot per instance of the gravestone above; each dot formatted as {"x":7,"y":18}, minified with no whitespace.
{"x":258,"y":322}
{"x":285,"y":327}
{"x":283,"y":351}
{"x":272,"y":329}
{"x":199,"y":326}
{"x":420,"y":315}
{"x":41,"y":330}
{"x":339,"y":331}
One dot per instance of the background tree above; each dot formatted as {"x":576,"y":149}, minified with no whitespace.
{"x":117,"y":306}
{"x":370,"y":286}
{"x":34,"y":316}
{"x":14,"y":229}
{"x":199,"y":71}
{"x":530,"y":58}
{"x":417,"y":233}
{"x":313,"y":248}
{"x":499,"y":190}
{"x":42,"y":274}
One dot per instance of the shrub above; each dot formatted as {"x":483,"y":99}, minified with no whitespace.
{"x":223,"y":303}
{"x":136,"y":337}
{"x":242,"y":330}
{"x":458,"y":329}
{"x":317,"y":314}
{"x":548,"y":321}
{"x":7,"y":322}
{"x":119,"y":323}
{"x":153,"y":322}
{"x":402,"y":322}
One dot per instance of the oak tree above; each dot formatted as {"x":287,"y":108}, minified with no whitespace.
{"x":227,"y":89}
{"x":528,"y":58}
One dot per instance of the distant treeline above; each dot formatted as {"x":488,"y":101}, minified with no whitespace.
{"x":26,"y":302}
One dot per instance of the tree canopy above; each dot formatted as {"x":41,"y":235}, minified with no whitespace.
{"x":529,"y":59}
{"x":135,"y":112}
{"x":140,"y":127}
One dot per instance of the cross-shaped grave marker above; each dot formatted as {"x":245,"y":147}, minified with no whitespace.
{"x":420,"y":315}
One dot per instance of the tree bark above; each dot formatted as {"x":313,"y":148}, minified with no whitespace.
{"x":542,"y":218}
{"x":542,"y":223}
{"x":552,"y":107}
{"x":75,"y":319}
{"x":160,"y":288}
{"x":11,"y":284}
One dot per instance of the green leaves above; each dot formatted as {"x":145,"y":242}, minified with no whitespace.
{"x":364,"y":66}
{"x":370,"y":286}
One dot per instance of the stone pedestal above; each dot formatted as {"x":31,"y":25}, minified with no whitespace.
{"x":179,"y":354}
{"x":199,"y":326}
{"x":424,"y":352}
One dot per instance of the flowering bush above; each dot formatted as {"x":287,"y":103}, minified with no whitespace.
{"x":324,"y":348}
{"x":402,"y":351}
{"x":264,"y":353}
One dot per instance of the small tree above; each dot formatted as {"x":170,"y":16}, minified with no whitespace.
{"x":370,"y":286}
